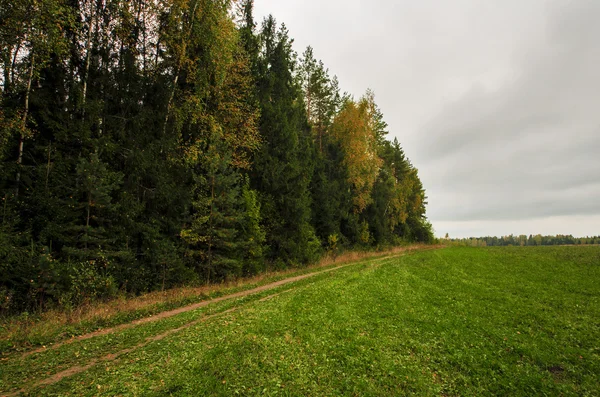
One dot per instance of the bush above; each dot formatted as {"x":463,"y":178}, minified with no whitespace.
{"x":88,"y":282}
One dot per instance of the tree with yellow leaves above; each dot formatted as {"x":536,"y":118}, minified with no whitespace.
{"x":354,"y":129}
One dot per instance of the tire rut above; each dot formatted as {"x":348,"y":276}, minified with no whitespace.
{"x":184,"y":309}
{"x":74,"y":370}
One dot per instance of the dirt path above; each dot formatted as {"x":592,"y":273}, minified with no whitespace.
{"x":194,"y":306}
{"x":114,"y":356}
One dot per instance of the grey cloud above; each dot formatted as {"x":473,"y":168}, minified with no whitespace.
{"x":546,"y":165}
{"x":536,"y":138}
{"x":516,"y":209}
{"x":495,"y":102}
{"x":556,"y":86}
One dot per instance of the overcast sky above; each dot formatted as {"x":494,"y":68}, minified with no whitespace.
{"x":497,"y":103}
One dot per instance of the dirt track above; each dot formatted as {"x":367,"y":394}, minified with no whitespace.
{"x":113,"y":356}
{"x":183,"y":309}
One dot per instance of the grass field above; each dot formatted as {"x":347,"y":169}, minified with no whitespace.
{"x":456,"y":321}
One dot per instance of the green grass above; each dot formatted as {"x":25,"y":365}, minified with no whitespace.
{"x":23,"y":332}
{"x":457,"y":321}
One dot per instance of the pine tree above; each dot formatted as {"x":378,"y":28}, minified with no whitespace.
{"x":283,"y":166}
{"x":330,"y":201}
{"x":321,"y":95}
{"x":252,"y":235}
{"x":94,"y":202}
{"x":212,"y":234}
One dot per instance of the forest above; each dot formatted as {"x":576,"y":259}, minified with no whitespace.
{"x":523,"y":240}
{"x":146,"y":144}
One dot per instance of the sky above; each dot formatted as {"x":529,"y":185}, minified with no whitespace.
{"x":497,"y":103}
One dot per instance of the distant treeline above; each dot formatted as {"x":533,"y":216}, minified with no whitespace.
{"x":146,"y":144}
{"x":523,"y":240}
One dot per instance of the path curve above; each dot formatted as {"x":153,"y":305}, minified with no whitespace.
{"x":113,"y":356}
{"x":183,"y":309}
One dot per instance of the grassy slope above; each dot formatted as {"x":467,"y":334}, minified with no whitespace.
{"x":460,"y":321}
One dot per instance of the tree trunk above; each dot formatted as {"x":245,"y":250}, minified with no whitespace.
{"x":164,"y":275}
{"x":140,"y":23}
{"x":210,"y":225}
{"x":308,"y":103}
{"x":14,"y":62}
{"x":105,"y":70}
{"x":4,"y":210}
{"x":321,"y":138}
{"x":88,"y":47}
{"x":24,"y":125}
{"x":48,"y":165}
{"x":87,"y":220}
{"x":178,"y":70}
{"x":7,"y":69}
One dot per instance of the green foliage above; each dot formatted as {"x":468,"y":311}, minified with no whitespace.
{"x":89,"y":281}
{"x":9,"y":127}
{"x":252,"y":234}
{"x":178,"y":145}
{"x":283,"y":166}
{"x":93,"y":202}
{"x":332,"y":244}
{"x":218,"y":207}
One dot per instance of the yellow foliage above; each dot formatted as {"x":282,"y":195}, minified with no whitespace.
{"x":353,"y":129}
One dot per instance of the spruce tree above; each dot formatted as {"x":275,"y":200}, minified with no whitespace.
{"x":283,"y":166}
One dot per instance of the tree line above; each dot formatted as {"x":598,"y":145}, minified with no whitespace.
{"x":524,"y":240}
{"x":150,"y":143}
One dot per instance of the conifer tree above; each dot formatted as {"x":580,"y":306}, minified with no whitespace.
{"x":252,"y":235}
{"x":212,"y":233}
{"x":283,"y":166}
{"x":145,"y":144}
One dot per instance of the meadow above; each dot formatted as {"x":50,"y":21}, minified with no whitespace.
{"x":449,"y":322}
